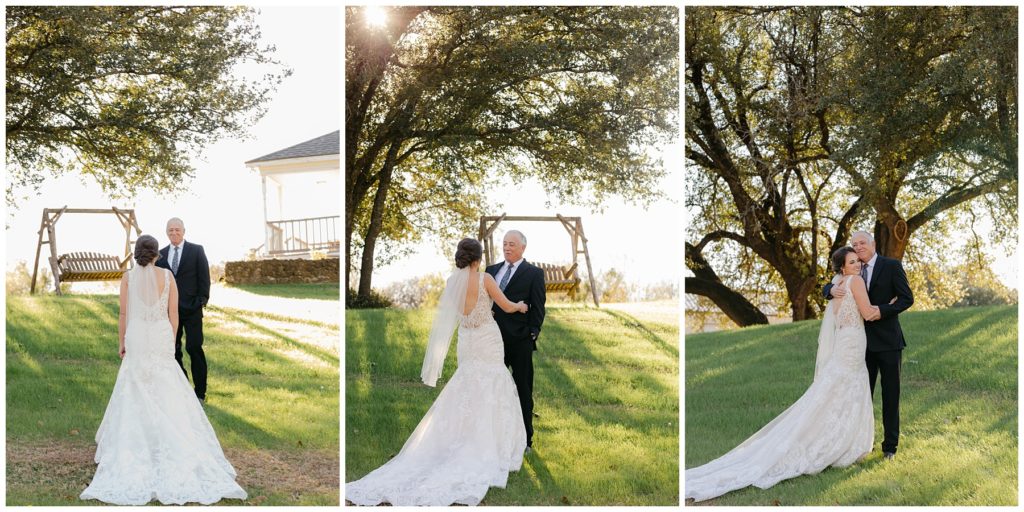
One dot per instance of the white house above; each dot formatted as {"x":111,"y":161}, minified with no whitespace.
{"x":301,"y":198}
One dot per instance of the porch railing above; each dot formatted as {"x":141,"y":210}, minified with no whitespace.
{"x":298,"y":236}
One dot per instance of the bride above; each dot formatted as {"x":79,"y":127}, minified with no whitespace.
{"x":154,"y":441}
{"x":832,"y":424}
{"x":473,"y":435}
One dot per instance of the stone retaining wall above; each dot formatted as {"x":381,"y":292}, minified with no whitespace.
{"x":282,"y":271}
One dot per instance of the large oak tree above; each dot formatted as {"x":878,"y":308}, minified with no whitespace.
{"x":804,"y":122}
{"x":441,"y":101}
{"x":125,"y":95}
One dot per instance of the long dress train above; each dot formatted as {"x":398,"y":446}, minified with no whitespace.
{"x":470,"y":438}
{"x":155,"y":441}
{"x":832,"y":424}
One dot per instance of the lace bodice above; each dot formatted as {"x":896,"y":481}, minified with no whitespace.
{"x":847,"y":314}
{"x":481,"y":312}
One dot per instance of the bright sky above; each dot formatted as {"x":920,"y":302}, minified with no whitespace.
{"x":644,"y":244}
{"x":222,"y":206}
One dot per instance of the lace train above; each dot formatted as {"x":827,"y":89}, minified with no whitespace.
{"x":470,"y":439}
{"x":155,"y":441}
{"x":832,"y":424}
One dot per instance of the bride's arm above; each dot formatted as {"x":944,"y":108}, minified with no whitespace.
{"x":172,"y":305}
{"x":499,"y":297}
{"x":122,"y":316}
{"x":860,"y":296}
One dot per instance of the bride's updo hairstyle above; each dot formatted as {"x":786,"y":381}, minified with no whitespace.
{"x":839,"y":258}
{"x":469,"y":250}
{"x":146,"y":248}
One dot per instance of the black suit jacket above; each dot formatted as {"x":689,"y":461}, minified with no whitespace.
{"x":193,"y":277}
{"x":888,"y":280}
{"x":527,"y":285}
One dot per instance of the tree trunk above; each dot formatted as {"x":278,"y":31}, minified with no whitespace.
{"x":732,"y":303}
{"x":892,"y":235}
{"x":376,"y":222}
{"x":707,"y":284}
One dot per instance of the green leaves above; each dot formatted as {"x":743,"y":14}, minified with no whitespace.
{"x":126,"y":94}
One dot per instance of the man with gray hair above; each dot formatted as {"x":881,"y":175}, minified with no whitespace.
{"x":187,"y":262}
{"x":520,"y":281}
{"x":888,"y":290}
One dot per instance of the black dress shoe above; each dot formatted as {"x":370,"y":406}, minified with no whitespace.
{"x":889,"y":455}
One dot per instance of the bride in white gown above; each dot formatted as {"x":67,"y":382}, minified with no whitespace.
{"x":473,"y":435}
{"x":155,"y":441}
{"x":832,"y":424}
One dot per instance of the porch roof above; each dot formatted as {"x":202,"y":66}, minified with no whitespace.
{"x":329,"y":144}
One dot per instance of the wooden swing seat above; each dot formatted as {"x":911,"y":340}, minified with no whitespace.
{"x":89,"y":266}
{"x":558,"y":278}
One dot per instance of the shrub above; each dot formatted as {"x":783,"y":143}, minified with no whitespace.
{"x":376,"y":300}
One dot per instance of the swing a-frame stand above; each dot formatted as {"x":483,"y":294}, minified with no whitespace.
{"x":556,"y":277}
{"x":83,"y":266}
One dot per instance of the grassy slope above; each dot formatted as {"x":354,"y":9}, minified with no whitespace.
{"x":271,"y":391}
{"x":606,"y":390}
{"x":958,"y":443}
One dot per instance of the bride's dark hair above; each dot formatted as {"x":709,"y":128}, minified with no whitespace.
{"x":469,"y":250}
{"x":839,"y":258}
{"x":146,"y":248}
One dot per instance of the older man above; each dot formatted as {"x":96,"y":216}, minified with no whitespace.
{"x":187,"y":261}
{"x":889,"y":290}
{"x":520,"y":281}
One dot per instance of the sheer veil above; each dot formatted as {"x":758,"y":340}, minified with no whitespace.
{"x":144,"y":284}
{"x":827,"y":335}
{"x":448,"y":312}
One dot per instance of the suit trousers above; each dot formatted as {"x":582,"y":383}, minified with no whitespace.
{"x":191,"y":326}
{"x":519,"y":357}
{"x":889,"y":364}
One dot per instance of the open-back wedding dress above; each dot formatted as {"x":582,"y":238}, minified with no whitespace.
{"x":155,"y":441}
{"x":473,"y":434}
{"x":832,"y":424}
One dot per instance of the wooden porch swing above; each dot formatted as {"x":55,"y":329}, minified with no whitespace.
{"x":557,"y":278}
{"x":84,"y":266}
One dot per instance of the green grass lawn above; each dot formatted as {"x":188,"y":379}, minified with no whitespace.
{"x":605,"y":388}
{"x":321,"y":291}
{"x":272,"y":399}
{"x":958,"y":435}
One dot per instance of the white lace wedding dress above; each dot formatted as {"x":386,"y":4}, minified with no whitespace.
{"x":155,"y":441}
{"x":832,"y":424}
{"x":472,"y":436}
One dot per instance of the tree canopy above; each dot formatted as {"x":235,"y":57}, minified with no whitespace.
{"x":441,"y":101}
{"x":125,"y":95}
{"x":804,"y":123}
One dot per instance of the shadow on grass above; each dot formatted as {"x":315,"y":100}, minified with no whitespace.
{"x":958,"y":409}
{"x":62,"y":364}
{"x":586,"y":370}
{"x":327,"y":357}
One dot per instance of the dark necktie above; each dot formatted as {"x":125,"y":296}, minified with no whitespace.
{"x":504,"y":278}
{"x":174,"y":261}
{"x":864,"y":274}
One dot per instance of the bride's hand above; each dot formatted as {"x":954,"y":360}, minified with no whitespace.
{"x":523,"y":308}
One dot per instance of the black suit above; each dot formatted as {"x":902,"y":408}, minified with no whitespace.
{"x":886,"y":341}
{"x":519,"y":331}
{"x":193,"y":281}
